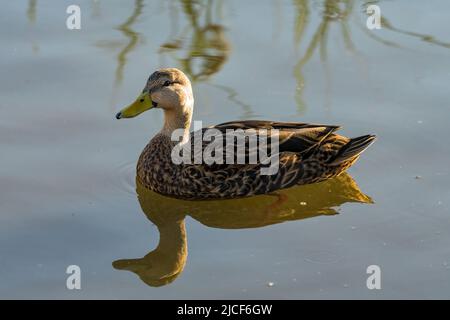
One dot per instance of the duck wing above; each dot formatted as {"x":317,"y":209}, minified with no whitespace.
{"x":298,"y":142}
{"x":293,"y":136}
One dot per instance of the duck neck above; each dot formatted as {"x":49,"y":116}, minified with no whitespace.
{"x":177,"y":119}
{"x":172,"y":242}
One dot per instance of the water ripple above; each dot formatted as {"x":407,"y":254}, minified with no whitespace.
{"x":126,"y":174}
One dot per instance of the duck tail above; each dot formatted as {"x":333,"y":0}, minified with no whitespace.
{"x":353,"y":148}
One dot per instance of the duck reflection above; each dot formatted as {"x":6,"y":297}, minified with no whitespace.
{"x":166,"y":262}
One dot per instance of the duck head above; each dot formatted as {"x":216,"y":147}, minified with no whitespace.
{"x":168,"y":89}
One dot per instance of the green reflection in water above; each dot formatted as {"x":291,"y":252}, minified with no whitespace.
{"x":201,"y":49}
{"x":424,"y":37}
{"x":31,"y":16}
{"x":31,"y":11}
{"x":386,"y":24}
{"x":333,"y":12}
{"x":133,"y":39}
{"x":96,"y":9}
{"x":166,"y":262}
{"x":338,"y":12}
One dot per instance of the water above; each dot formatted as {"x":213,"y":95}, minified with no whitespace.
{"x":67,"y":177}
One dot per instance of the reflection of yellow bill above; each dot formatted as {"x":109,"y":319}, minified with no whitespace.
{"x":141,"y":104}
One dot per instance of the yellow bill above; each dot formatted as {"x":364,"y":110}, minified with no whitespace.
{"x":141,"y":104}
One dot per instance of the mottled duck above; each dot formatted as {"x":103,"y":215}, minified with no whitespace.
{"x":306,"y":153}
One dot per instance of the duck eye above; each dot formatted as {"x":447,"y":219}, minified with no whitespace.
{"x":167,"y":83}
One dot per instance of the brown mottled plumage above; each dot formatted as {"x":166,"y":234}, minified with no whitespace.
{"x":308,"y":153}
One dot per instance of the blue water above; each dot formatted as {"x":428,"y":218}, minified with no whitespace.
{"x":67,"y":192}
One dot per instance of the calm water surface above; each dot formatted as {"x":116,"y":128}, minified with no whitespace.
{"x":67,"y":177}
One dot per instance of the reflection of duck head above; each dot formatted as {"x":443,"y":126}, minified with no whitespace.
{"x":162,"y":265}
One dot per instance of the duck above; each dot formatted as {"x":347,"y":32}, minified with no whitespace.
{"x":166,"y":262}
{"x":305,"y":153}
